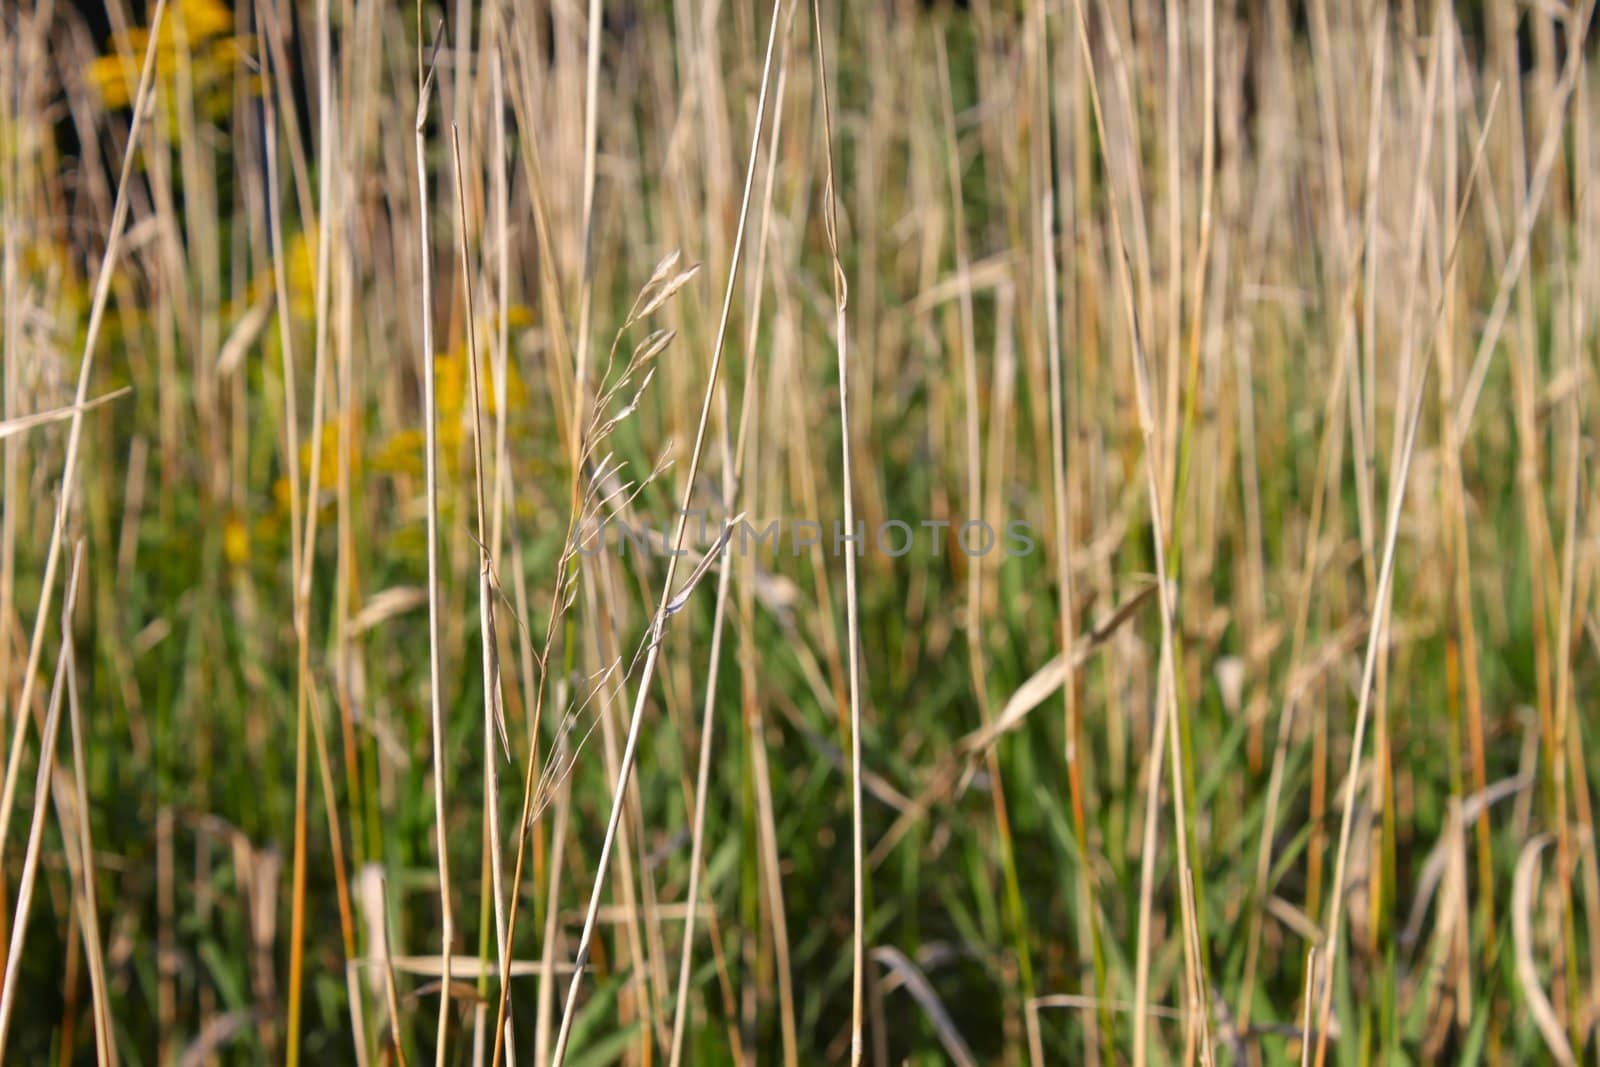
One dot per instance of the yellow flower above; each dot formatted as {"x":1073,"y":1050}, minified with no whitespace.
{"x":203,"y":19}
{"x":300,"y":272}
{"x":202,"y":28}
{"x":114,"y":79}
{"x":449,"y":385}
{"x":328,"y":461}
{"x":401,"y":454}
{"x":451,"y":381}
{"x":299,"y":275}
{"x":235,"y":540}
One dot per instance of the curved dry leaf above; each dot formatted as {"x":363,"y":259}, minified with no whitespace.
{"x":242,"y":336}
{"x":23,"y":423}
{"x":1522,"y":893}
{"x":1049,"y":678}
{"x":385,"y":605}
{"x":916,"y":984}
{"x":1472,"y":808}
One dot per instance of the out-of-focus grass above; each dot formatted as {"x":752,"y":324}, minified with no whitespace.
{"x":1358,"y":227}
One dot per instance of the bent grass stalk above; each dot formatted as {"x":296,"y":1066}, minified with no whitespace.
{"x":494,"y":726}
{"x":841,"y":297}
{"x":658,"y":625}
{"x":430,"y":425}
{"x":733,"y":482}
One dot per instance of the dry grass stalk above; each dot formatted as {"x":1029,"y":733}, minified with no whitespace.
{"x":658,"y":625}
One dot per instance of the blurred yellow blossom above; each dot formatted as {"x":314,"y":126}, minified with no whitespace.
{"x":197,"y":31}
{"x":451,"y":373}
{"x":449,"y":395}
{"x":235,"y":540}
{"x":299,"y":274}
{"x":400,"y":454}
{"x":328,"y":459}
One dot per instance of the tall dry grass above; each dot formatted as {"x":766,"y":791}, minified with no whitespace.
{"x":334,"y":332}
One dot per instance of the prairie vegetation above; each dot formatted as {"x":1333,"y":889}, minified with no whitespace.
{"x":335,"y":331}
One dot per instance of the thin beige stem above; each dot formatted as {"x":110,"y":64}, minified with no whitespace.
{"x":841,"y":298}
{"x":435,"y":701}
{"x":658,"y":625}
{"x":733,"y":466}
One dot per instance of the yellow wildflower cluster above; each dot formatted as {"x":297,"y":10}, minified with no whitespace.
{"x":328,"y":456}
{"x":196,"y":36}
{"x":402,"y":453}
{"x":299,"y":275}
